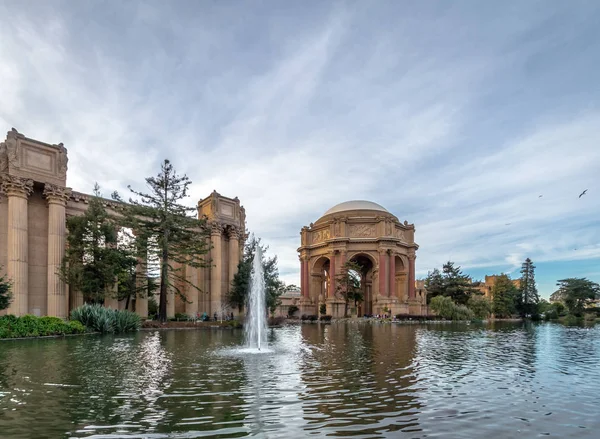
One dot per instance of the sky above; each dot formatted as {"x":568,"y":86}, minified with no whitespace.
{"x":479,"y":122}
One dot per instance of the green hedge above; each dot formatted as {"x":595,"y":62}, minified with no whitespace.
{"x":105,"y":320}
{"x":32,"y":326}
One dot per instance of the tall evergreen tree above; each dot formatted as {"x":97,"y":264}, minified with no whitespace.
{"x":240,"y":286}
{"x":95,"y":257}
{"x":347,"y":284}
{"x":173,"y":235}
{"x":528,"y":294}
{"x":5,"y":294}
{"x":451,"y":282}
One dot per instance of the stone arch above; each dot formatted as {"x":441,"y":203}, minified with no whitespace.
{"x":368,"y":262}
{"x":319,"y":278}
{"x":401,"y":277}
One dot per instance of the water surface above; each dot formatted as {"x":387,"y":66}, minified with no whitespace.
{"x":342,"y":380}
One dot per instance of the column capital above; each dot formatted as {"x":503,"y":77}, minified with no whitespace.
{"x":17,"y":186}
{"x":56,"y":194}
{"x":412,"y":256}
{"x":216,"y":229}
{"x":234,"y":232}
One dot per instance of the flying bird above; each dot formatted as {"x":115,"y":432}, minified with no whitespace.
{"x":582,"y":194}
{"x":507,"y":224}
{"x":540,"y":196}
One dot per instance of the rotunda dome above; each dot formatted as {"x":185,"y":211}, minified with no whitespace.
{"x":355,"y":205}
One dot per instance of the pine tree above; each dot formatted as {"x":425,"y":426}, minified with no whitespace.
{"x":528,"y":294}
{"x":5,"y":294}
{"x":94,"y":258}
{"x":174,"y":237}
{"x":347,"y":284}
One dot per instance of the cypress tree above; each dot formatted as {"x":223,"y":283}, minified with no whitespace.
{"x":528,"y":294}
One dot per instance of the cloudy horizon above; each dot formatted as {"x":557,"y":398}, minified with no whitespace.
{"x":453,"y":116}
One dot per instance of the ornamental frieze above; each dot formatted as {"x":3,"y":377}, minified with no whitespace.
{"x":320,"y":236}
{"x":362,"y":230}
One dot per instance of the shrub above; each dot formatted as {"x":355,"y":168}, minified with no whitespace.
{"x":322,"y":309}
{"x":481,"y":306}
{"x":291,"y":310}
{"x":180,"y":317}
{"x":325,"y":318}
{"x":32,"y":326}
{"x":104,"y":320}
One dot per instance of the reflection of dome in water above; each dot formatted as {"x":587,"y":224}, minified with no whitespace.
{"x":355,"y":205}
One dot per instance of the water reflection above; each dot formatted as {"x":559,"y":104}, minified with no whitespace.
{"x":355,"y":379}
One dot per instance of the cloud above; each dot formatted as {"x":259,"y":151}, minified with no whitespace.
{"x":454,"y":118}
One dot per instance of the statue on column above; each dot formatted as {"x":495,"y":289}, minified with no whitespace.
{"x":63,"y":160}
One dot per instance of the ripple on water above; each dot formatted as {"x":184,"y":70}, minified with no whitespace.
{"x":317,"y":380}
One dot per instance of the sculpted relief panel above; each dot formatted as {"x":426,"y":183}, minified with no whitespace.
{"x":362,"y":230}
{"x":320,"y":236}
{"x":398,"y":233}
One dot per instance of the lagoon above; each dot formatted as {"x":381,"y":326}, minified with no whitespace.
{"x":353,"y":379}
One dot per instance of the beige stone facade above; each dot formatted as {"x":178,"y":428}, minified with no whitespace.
{"x":366,"y":233}
{"x":34,"y":205}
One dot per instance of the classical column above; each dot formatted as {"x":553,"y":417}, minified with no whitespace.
{"x":382,"y":273}
{"x":303,"y":285}
{"x":141,"y":281}
{"x":306,"y":276}
{"x":17,"y":190}
{"x":343,"y":256}
{"x":57,"y":198}
{"x":392,"y":275}
{"x":332,"y":273}
{"x":191,"y":304}
{"x":215,"y":269}
{"x":411,"y":276}
{"x":234,"y":254}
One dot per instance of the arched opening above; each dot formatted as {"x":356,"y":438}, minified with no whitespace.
{"x":319,"y":279}
{"x":367,"y":264}
{"x":400,"y":278}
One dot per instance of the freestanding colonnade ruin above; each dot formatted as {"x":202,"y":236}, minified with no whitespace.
{"x":34,"y":205}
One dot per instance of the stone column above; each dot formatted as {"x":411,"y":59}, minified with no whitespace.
{"x":411,"y":276}
{"x":191,"y":305}
{"x":215,"y":269}
{"x":17,"y":190}
{"x":392,"y":286}
{"x":343,"y":256}
{"x":303,"y":283}
{"x":332,"y":273}
{"x":382,"y":273}
{"x":57,"y":293}
{"x":141,"y":281}
{"x":234,"y":254}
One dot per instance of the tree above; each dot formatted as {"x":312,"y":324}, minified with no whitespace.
{"x":481,"y":306}
{"x":451,"y":282}
{"x":240,"y":286}
{"x":174,"y":238}
{"x":445,"y":307}
{"x":528,"y":294}
{"x":95,"y":256}
{"x":5,"y":294}
{"x":505,"y":295}
{"x":575,"y":292}
{"x":347,"y":284}
{"x":291,"y":310}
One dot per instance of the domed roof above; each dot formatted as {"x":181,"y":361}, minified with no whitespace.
{"x":355,"y":205}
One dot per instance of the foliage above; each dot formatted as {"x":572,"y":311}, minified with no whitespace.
{"x":5,"y":294}
{"x":575,"y":293}
{"x":181,"y":317}
{"x":505,"y":295}
{"x":322,"y":309}
{"x":310,"y":317}
{"x":240,"y":286}
{"x":543,"y":306}
{"x":528,"y":294}
{"x":291,"y":310}
{"x":480,"y":306}
{"x":95,"y":257}
{"x":100,"y":319}
{"x":556,"y":310}
{"x":444,"y":307}
{"x":152,"y":308}
{"x":325,"y":318}
{"x":169,"y":235}
{"x":32,"y":326}
{"x":451,"y":282}
{"x":347,"y":284}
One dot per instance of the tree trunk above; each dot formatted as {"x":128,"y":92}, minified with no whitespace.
{"x":164,"y":281}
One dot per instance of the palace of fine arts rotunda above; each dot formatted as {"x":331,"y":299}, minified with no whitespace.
{"x":34,"y":205}
{"x":368,"y":234}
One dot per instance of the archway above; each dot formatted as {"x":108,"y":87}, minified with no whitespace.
{"x":367,"y":264}
{"x":320,"y":279}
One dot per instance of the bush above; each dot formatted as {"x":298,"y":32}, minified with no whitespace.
{"x":152,"y":308}
{"x":104,"y":320}
{"x":444,"y":307}
{"x":322,"y":309}
{"x":32,"y":326}
{"x":291,"y":310}
{"x":481,"y":306}
{"x":310,"y":318}
{"x":180,"y":317}
{"x":325,"y":318}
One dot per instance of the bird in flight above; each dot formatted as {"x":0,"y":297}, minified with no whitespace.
{"x":540,"y":196}
{"x":582,"y":194}
{"x":507,"y":224}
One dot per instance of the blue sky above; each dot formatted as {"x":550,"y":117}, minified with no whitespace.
{"x":453,"y":115}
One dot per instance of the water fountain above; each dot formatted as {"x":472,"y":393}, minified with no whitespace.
{"x":255,"y":327}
